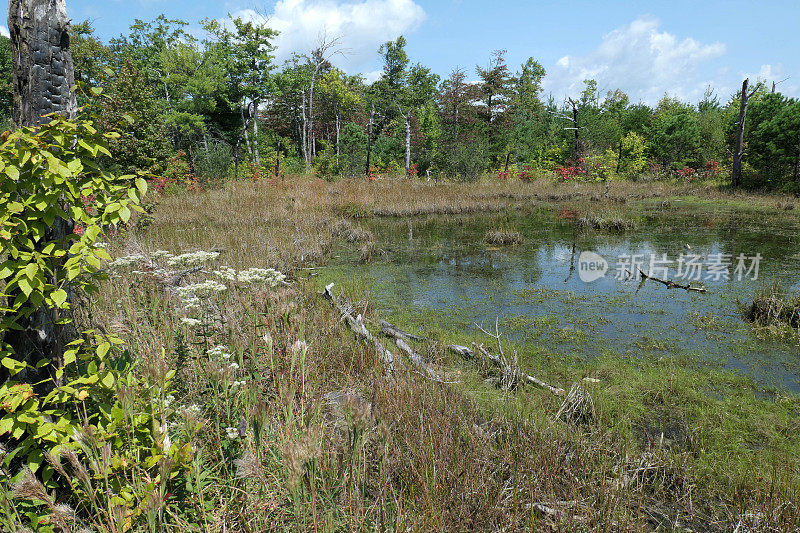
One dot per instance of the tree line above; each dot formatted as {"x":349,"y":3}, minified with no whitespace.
{"x":210,"y":108}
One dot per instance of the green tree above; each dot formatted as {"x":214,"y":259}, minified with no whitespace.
{"x":773,"y":138}
{"x":496,"y":90}
{"x":245,"y":54}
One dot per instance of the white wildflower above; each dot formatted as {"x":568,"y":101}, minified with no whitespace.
{"x":234,"y":366}
{"x":232,"y":433}
{"x":159,"y":255}
{"x":168,"y":400}
{"x":192,"y":259}
{"x":191,"y":303}
{"x":126,"y":261}
{"x":219,"y":351}
{"x":101,"y":245}
{"x":191,"y":410}
{"x":202,"y":289}
{"x":191,"y":322}
{"x":226,"y":272}
{"x":258,"y":276}
{"x":267,"y":340}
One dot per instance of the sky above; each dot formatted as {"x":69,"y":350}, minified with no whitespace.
{"x":646,"y":48}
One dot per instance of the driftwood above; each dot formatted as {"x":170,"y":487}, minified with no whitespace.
{"x":500,"y":360}
{"x":670,"y":284}
{"x":357,"y":325}
{"x":418,"y":361}
{"x":400,"y":337}
{"x":390,"y":330}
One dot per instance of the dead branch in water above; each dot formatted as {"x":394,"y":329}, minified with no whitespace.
{"x":512,"y":371}
{"x":400,"y":337}
{"x":357,"y":325}
{"x":668,"y":283}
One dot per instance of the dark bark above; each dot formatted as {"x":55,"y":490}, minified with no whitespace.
{"x":43,"y":79}
{"x":738,"y":151}
{"x":43,"y":70}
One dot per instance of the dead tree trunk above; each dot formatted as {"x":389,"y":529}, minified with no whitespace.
{"x":369,"y":137}
{"x":43,"y":79}
{"x":255,"y":134}
{"x":738,"y":151}
{"x":575,"y":127}
{"x":408,"y":143}
{"x":43,"y":68}
{"x":305,"y":128}
{"x":338,"y":131}
{"x":407,"y":119}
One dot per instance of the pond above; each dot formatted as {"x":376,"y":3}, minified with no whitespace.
{"x":439,"y":273}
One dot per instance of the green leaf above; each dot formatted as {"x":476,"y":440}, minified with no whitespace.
{"x":70,"y":356}
{"x":12,"y":172}
{"x":141,"y":184}
{"x":59,"y":297}
{"x":24,"y":286}
{"x":31,"y":269}
{"x":108,"y":380}
{"x":103,"y":349}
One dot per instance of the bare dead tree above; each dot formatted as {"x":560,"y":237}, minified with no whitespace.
{"x":326,"y":48}
{"x":369,"y":137}
{"x":738,"y":151}
{"x":407,"y":118}
{"x":43,"y":79}
{"x":575,"y":127}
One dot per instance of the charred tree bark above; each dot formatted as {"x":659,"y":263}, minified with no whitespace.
{"x":43,"y":79}
{"x":43,"y":68}
{"x":738,"y":151}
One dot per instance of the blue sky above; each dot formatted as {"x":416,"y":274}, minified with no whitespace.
{"x":646,"y":48}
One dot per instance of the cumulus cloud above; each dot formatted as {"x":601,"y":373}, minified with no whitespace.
{"x":640,"y":59}
{"x":361,"y":26}
{"x":4,"y":31}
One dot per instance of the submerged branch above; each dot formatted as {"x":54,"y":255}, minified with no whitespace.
{"x":670,"y":284}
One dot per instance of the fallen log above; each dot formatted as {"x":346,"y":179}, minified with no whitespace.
{"x":670,"y":284}
{"x":463,"y":351}
{"x":359,"y":329}
{"x":400,"y":337}
{"x":418,"y":361}
{"x":497,"y":361}
{"x":390,"y":330}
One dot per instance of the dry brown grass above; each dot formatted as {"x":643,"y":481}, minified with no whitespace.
{"x":421,"y":456}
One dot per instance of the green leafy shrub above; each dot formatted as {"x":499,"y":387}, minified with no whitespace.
{"x":71,"y":434}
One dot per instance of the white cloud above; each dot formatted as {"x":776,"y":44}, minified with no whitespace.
{"x":4,"y":31}
{"x":361,"y":25}
{"x":639,"y":59}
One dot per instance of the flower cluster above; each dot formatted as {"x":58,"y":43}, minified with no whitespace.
{"x":219,"y":351}
{"x":251,"y":276}
{"x":192,"y":259}
{"x":203,"y":289}
{"x":126,"y":261}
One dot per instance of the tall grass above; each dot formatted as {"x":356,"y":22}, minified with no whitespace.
{"x":293,"y":425}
